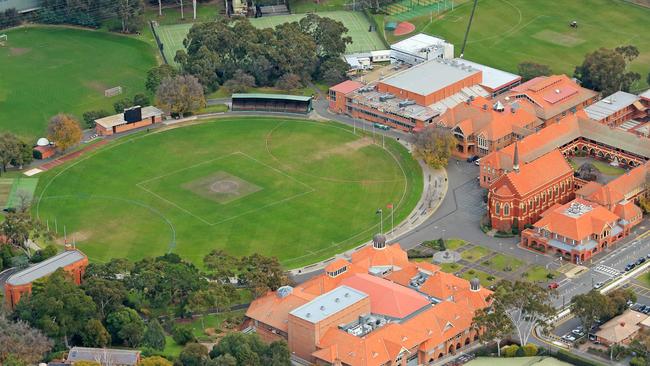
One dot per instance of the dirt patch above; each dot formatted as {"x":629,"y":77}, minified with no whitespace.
{"x":96,"y":86}
{"x":77,"y":236}
{"x":15,"y":51}
{"x":344,"y":149}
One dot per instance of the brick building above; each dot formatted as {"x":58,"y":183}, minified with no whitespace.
{"x":552,"y":97}
{"x":132,"y":118}
{"x":617,"y":109}
{"x":19,"y":284}
{"x":520,"y":197}
{"x":377,"y":309}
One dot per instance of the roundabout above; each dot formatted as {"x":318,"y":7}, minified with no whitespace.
{"x":295,"y":189}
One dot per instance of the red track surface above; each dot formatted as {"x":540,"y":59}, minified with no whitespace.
{"x":404,"y":28}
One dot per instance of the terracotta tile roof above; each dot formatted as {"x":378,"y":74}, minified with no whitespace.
{"x":627,"y":210}
{"x":391,"y":255}
{"x":336,"y":265}
{"x":552,"y":95}
{"x":273,"y":310}
{"x":480,"y":118}
{"x":534,"y":175}
{"x":621,"y":327}
{"x":592,"y":220}
{"x":387,"y":298}
{"x":444,"y":286}
{"x":347,"y":86}
{"x":588,"y":189}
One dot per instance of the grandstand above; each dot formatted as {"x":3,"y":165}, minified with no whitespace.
{"x":271,"y":103}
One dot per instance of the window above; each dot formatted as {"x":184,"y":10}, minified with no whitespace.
{"x":333,"y":95}
{"x":497,"y":208}
{"x":506,"y":209}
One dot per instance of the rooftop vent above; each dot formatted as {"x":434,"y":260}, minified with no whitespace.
{"x":557,"y":91}
{"x":498,"y":106}
{"x":284,"y":291}
{"x":308,"y":315}
{"x":322,"y":308}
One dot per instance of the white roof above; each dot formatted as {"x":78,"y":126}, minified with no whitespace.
{"x":42,"y":142}
{"x":429,"y":76}
{"x":328,"y":304}
{"x":105,"y":356}
{"x":492,"y":78}
{"x":118,"y":119}
{"x":645,"y":94}
{"x":610,"y":105}
{"x":380,"y":53}
{"x":45,"y":268}
{"x":416,"y":43}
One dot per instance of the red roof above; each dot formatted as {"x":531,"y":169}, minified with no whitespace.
{"x":534,"y":175}
{"x":387,"y":298}
{"x":347,"y":86}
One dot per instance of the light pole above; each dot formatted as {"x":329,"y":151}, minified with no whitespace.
{"x":381,"y":220}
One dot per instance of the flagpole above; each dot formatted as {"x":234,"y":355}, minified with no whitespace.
{"x":392,"y":215}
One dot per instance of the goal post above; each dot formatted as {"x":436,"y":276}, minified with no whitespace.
{"x":3,"y":39}
{"x":113,"y":91}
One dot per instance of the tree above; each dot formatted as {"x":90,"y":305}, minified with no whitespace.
{"x":220,"y":264}
{"x":90,"y":117}
{"x":530,"y":70}
{"x":262,"y":273}
{"x":249,"y":349}
{"x":122,"y":104}
{"x":525,"y":304}
{"x":193,"y":354}
{"x":180,"y":94}
{"x":130,"y":13}
{"x":59,"y":308}
{"x":17,"y":228}
{"x":141,"y":99}
{"x":182,"y":335}
{"x":21,"y":343}
{"x":434,"y":145}
{"x":126,"y":327}
{"x":590,"y":307}
{"x":13,"y":151}
{"x":223,"y":360}
{"x":618,"y":300}
{"x":328,"y":34}
{"x":605,"y":70}
{"x":64,"y":131}
{"x":45,"y":253}
{"x":155,"y":361}
{"x":647,"y":80}
{"x":288,"y":82}
{"x":494,"y":323}
{"x":108,"y":295}
{"x":240,"y":82}
{"x":156,"y":75}
{"x":332,"y":70}
{"x":154,"y":336}
{"x":95,"y":335}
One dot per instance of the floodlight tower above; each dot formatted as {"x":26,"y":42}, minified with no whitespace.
{"x":469,"y":25}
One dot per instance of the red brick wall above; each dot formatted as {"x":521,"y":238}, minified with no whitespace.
{"x":436,"y":96}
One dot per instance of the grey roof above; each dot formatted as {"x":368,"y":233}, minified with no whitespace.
{"x":118,"y":119}
{"x":645,"y":94}
{"x":610,"y":105}
{"x":614,"y":137}
{"x":328,"y":304}
{"x":105,"y":356}
{"x":299,"y":98}
{"x":45,"y":267}
{"x":492,"y":78}
{"x":416,"y":43}
{"x":430,"y":76}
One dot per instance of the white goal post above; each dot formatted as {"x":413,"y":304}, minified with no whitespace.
{"x":113,"y":91}
{"x":3,"y":39}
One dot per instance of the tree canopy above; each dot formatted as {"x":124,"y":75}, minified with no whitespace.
{"x":64,"y":131}
{"x":605,"y":70}
{"x":180,"y":94}
{"x":20,"y":342}
{"x":434,"y":145}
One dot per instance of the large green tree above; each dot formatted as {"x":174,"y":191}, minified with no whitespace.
{"x":156,"y":75}
{"x":154,"y":336}
{"x":262,"y":273}
{"x":107,"y":294}
{"x":13,"y":151}
{"x":250,"y":350}
{"x":590,"y":307}
{"x":193,"y":354}
{"x":605,"y":70}
{"x":58,"y":307}
{"x":525,"y":304}
{"x":126,"y":327}
{"x":95,"y":335}
{"x":530,"y":70}
{"x":495,"y":326}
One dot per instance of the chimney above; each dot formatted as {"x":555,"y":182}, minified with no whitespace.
{"x":515,"y":160}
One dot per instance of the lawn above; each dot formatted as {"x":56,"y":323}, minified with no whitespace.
{"x":507,"y":32}
{"x":450,"y":267}
{"x":295,"y":189}
{"x":47,"y":70}
{"x":217,"y":108}
{"x":475,"y":254}
{"x":501,"y":262}
{"x":172,"y":36}
{"x":644,"y":278}
{"x":537,"y":274}
{"x":486,"y":279}
{"x":454,"y":244}
{"x":602,"y":166}
{"x":5,"y":188}
{"x":309,"y":6}
{"x":305,"y":91}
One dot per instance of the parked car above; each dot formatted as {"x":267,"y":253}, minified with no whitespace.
{"x":553,"y":285}
{"x":477,"y":162}
{"x":578,"y":332}
{"x":598,"y":285}
{"x":630,"y":266}
{"x":472,"y":159}
{"x":640,"y":261}
{"x":381,"y":127}
{"x":569,"y":337}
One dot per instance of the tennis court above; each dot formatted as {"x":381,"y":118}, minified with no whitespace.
{"x":172,"y":36}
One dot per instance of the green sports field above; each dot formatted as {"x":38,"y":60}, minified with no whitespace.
{"x":295,"y":189}
{"x":47,"y":70}
{"x":172,"y":35}
{"x":507,"y":32}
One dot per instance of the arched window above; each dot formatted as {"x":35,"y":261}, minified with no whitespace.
{"x":506,"y":209}
{"x":497,"y":208}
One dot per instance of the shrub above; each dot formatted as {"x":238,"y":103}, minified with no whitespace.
{"x":530,"y":350}
{"x":182,"y":335}
{"x":90,"y":117}
{"x":567,"y":356}
{"x":490,"y":278}
{"x":510,"y":351}
{"x":550,"y":276}
{"x":637,"y":361}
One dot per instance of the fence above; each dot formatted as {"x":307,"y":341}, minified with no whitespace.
{"x":152,"y":25}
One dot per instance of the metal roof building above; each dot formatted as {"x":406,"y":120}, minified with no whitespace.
{"x":105,"y":356}
{"x":420,"y":48}
{"x":429,"y":77}
{"x":46,"y":267}
{"x":494,"y":79}
{"x":328,"y":304}
{"x":610,"y":105}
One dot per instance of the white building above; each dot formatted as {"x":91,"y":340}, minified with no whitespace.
{"x":363,"y":60}
{"x":420,"y":48}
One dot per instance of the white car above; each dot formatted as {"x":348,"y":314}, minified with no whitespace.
{"x":598,"y":285}
{"x":569,"y":337}
{"x":477,"y":161}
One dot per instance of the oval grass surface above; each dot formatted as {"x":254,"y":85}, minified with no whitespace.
{"x":298,"y":190}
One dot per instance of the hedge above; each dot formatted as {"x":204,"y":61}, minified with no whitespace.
{"x":563,"y":355}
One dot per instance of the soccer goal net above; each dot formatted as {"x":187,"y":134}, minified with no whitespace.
{"x":3,"y":39}
{"x":113,"y":91}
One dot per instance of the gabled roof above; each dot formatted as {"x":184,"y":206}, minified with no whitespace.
{"x":273,"y":310}
{"x":627,"y":210}
{"x":105,"y":356}
{"x":534,"y":175}
{"x":578,"y":224}
{"x":46,"y":267}
{"x":610,"y":105}
{"x":621,"y":327}
{"x":553,"y":94}
{"x":387,"y":298}
{"x":391,"y":255}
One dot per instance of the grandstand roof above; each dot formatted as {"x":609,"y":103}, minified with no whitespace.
{"x":46,"y":267}
{"x":298,"y":98}
{"x":118,"y":119}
